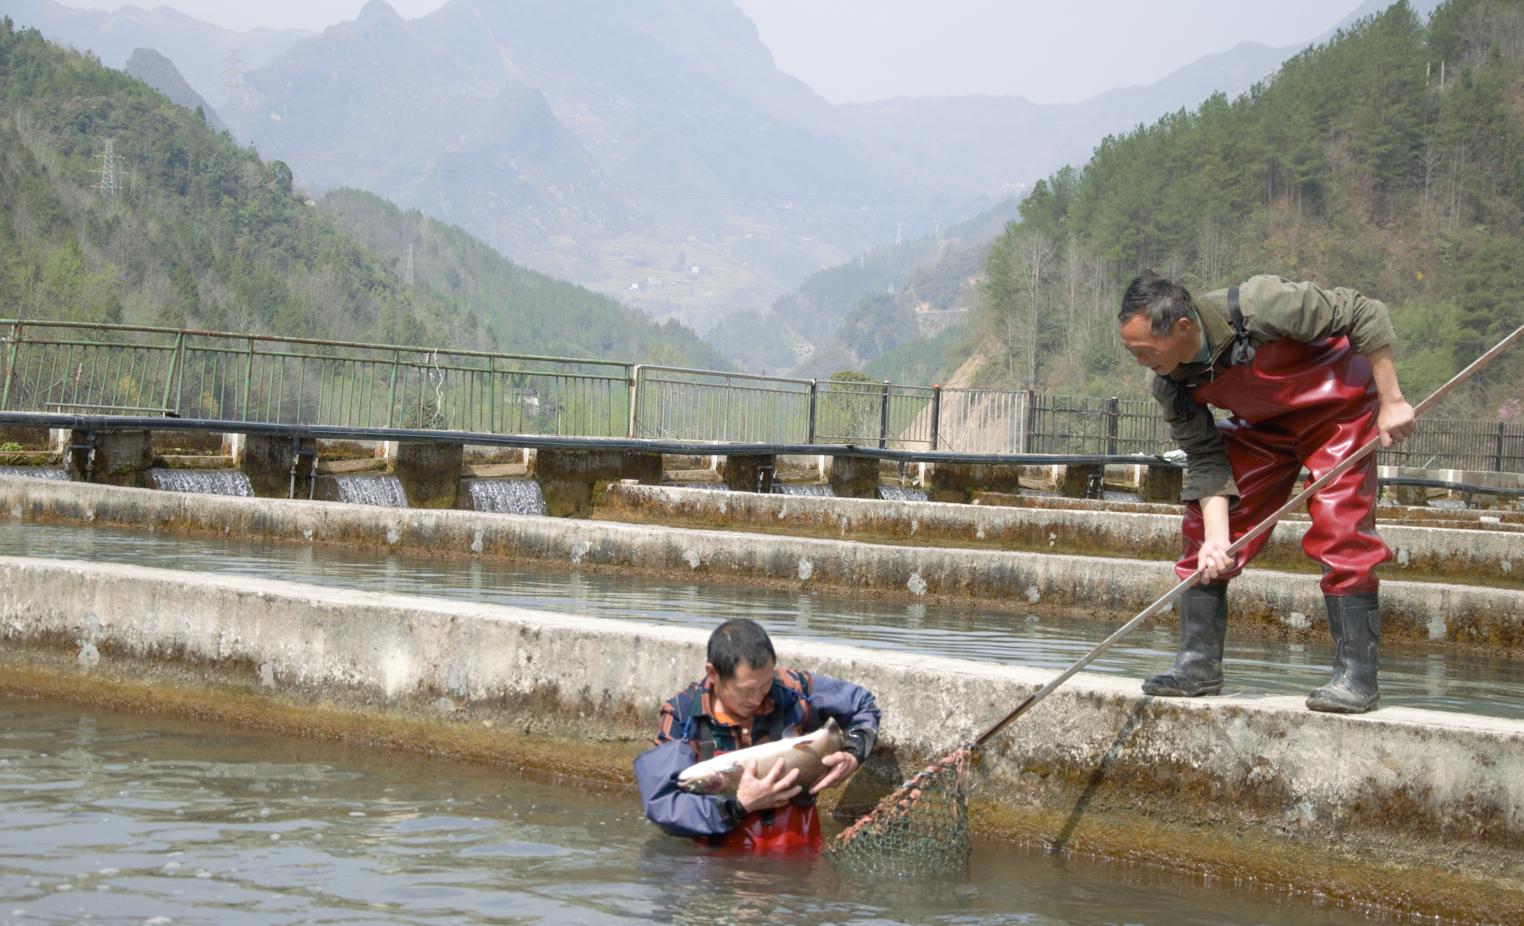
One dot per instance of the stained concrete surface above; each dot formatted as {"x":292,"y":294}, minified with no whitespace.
{"x":1266,"y":602}
{"x":1485,"y":557}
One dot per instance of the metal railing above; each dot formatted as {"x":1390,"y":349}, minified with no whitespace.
{"x":671,"y":403}
{"x":80,"y":368}
{"x":73,"y":367}
{"x":1459,"y":443}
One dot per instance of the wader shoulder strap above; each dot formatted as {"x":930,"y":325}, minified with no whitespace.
{"x":696,"y":728}
{"x":1243,"y":349}
{"x":704,"y":737}
{"x":775,"y":725}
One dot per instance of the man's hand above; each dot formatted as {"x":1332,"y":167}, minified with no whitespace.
{"x":1396,"y":419}
{"x":842,"y":765}
{"x":1396,"y":422}
{"x":771,"y":790}
{"x":1213,"y":558}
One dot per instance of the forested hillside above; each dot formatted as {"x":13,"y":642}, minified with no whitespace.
{"x":849,"y":315}
{"x":1390,"y":159}
{"x":183,"y":227}
{"x":518,"y":307}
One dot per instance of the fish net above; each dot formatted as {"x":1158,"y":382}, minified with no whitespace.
{"x":920,"y":829}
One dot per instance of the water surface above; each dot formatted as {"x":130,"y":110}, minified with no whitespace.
{"x":108,"y":818}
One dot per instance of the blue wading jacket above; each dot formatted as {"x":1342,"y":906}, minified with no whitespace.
{"x":805,"y":701}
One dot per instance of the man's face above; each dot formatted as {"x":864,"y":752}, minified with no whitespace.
{"x":1161,"y":353}
{"x":742,"y":693}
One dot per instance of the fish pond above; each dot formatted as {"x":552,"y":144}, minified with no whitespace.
{"x":114,"y":818}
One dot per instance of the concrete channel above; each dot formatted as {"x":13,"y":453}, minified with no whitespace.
{"x":1265,"y":602}
{"x":1491,"y":557}
{"x":1402,"y":810}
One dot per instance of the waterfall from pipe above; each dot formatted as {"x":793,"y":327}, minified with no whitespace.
{"x":201,"y":481}
{"x":507,"y":496}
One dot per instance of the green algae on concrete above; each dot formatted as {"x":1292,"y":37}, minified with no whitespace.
{"x":429,"y":472}
{"x":118,"y":458}
{"x":854,"y":477}
{"x":569,"y":479}
{"x":29,"y":458}
{"x":267,"y":462}
{"x":961,"y":482}
{"x":749,"y":472}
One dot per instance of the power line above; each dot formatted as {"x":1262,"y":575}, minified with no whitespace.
{"x":109,"y":159}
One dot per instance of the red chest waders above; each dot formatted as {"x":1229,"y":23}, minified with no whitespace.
{"x":792,"y":827}
{"x":1299,"y":404}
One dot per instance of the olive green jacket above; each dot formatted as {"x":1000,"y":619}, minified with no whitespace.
{"x":1272,"y":308}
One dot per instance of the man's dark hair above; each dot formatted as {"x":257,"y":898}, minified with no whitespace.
{"x":737,"y":641}
{"x":1162,"y":301}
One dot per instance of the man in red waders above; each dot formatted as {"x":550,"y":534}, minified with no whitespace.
{"x":745,"y":699}
{"x":1307,"y":377}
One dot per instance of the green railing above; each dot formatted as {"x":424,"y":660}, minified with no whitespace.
{"x":69,"y":367}
{"x":120,"y":369}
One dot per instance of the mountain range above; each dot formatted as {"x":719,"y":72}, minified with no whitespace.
{"x":121,"y":205}
{"x":198,"y":49}
{"x":648,"y":149}
{"x":160,"y":73}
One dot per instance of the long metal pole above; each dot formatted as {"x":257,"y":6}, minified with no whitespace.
{"x":174,"y":367}
{"x":632,"y":378}
{"x":391,"y":392}
{"x":936,"y":414}
{"x":10,"y":365}
{"x":1254,"y":533}
{"x":248,"y":380}
{"x":809,"y":424}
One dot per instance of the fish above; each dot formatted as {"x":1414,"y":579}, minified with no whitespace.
{"x":721,"y":775}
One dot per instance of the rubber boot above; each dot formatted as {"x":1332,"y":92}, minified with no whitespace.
{"x":1198,"y":664}
{"x":1354,"y":621}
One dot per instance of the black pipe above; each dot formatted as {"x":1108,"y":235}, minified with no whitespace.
{"x":540,"y":441}
{"x":629,"y":445}
{"x":1420,"y":482}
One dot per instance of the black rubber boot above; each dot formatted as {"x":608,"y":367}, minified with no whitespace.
{"x":1198,"y":664}
{"x":1354,"y":621}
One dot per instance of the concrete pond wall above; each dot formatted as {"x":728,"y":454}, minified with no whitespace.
{"x":1403,"y":810}
{"x":1492,"y":557}
{"x":1265,"y":602}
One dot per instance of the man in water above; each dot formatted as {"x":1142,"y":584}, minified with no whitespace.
{"x":1308,"y":378}
{"x":745,"y":699}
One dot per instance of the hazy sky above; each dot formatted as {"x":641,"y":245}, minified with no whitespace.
{"x":852,"y":50}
